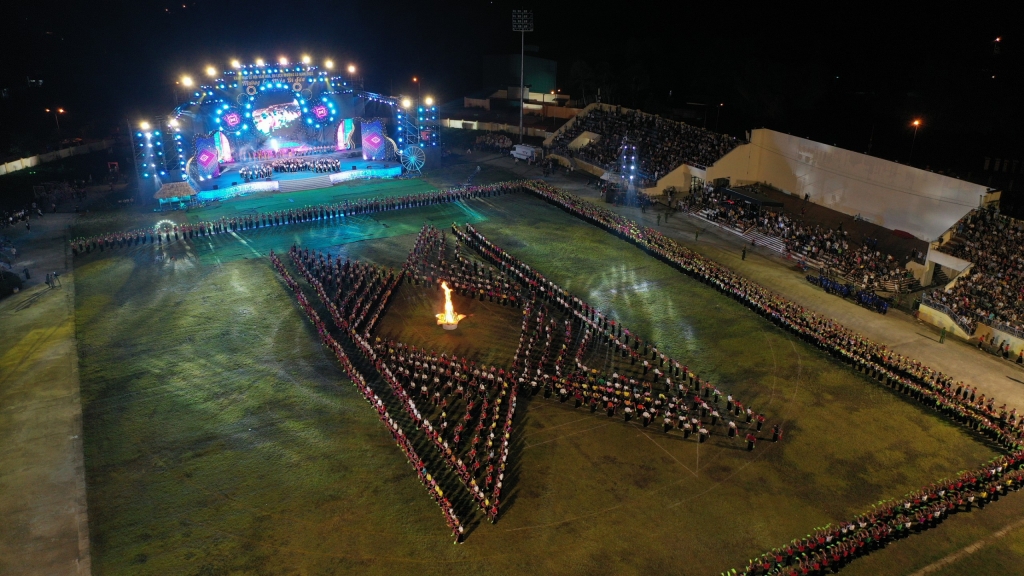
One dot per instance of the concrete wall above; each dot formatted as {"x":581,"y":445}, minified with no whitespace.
{"x":940,"y":319}
{"x":680,"y":178}
{"x":581,"y":165}
{"x":993,"y":335}
{"x":892,"y":195}
{"x":31,"y":161}
{"x":492,"y":127}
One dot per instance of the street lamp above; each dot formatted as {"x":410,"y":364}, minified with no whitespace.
{"x":916,"y":124}
{"x":719,"y":115}
{"x":56,"y":119}
{"x":419,"y":93}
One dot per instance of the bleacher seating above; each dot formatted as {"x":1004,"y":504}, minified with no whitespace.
{"x":663,"y":144}
{"x":992,"y":292}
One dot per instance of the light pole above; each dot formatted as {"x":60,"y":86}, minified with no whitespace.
{"x":916,"y":124}
{"x":719,"y":115}
{"x":56,"y":119}
{"x":522,"y":22}
{"x":419,"y":92}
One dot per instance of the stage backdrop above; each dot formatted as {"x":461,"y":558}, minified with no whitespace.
{"x":206,"y":157}
{"x":373,"y":140}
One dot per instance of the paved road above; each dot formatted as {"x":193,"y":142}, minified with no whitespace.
{"x":44,"y":528}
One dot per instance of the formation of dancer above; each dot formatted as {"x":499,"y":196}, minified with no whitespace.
{"x":335,"y":212}
{"x":397,"y":433}
{"x":271,"y":154}
{"x":267,"y":169}
{"x":404,"y":370}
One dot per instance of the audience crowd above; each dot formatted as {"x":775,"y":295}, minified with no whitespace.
{"x":832,"y":249}
{"x":662,"y":145}
{"x":493,"y":142}
{"x":992,"y":291}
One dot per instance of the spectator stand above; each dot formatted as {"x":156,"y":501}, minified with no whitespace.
{"x":814,"y":236}
{"x":986,"y":298}
{"x":595,"y":135}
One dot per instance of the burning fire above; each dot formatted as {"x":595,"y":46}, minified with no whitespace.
{"x":450,"y":320}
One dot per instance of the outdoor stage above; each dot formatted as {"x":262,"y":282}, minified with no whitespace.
{"x":230,"y":184}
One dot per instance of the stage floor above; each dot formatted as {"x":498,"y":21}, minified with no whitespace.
{"x":230,"y":176}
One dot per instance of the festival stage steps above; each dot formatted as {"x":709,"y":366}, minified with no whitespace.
{"x":295,"y":185}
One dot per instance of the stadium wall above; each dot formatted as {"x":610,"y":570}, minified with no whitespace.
{"x":22,"y":163}
{"x":681,"y":179}
{"x":892,"y":195}
{"x":940,"y":319}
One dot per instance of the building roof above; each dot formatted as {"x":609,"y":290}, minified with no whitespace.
{"x":175,"y":190}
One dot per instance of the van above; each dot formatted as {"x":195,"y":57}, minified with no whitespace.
{"x":525,"y":152}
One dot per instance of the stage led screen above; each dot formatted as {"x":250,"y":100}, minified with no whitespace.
{"x":346,"y":134}
{"x":276,"y":117}
{"x":206,"y":157}
{"x":373,"y":140}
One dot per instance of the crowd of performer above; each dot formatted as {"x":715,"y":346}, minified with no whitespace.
{"x":397,"y":433}
{"x":955,"y":400}
{"x":271,"y":154}
{"x":354,"y":291}
{"x":335,"y":212}
{"x":268,"y":169}
{"x":908,"y":376}
{"x":665,"y":390}
{"x":830,"y":548}
{"x":652,"y":388}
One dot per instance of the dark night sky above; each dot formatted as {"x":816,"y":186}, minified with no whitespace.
{"x":844,"y":75}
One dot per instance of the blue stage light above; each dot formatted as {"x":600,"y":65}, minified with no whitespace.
{"x":145,"y":175}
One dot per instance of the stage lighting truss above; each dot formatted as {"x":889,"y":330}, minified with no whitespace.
{"x":417,"y":126}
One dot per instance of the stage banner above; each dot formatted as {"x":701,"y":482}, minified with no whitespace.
{"x":206,"y":157}
{"x":373,"y":140}
{"x":346,"y":132}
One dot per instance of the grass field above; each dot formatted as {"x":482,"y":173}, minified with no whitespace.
{"x":221,"y":439}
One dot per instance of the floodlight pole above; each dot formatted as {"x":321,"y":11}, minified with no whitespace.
{"x":522,"y":22}
{"x":522,"y":80}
